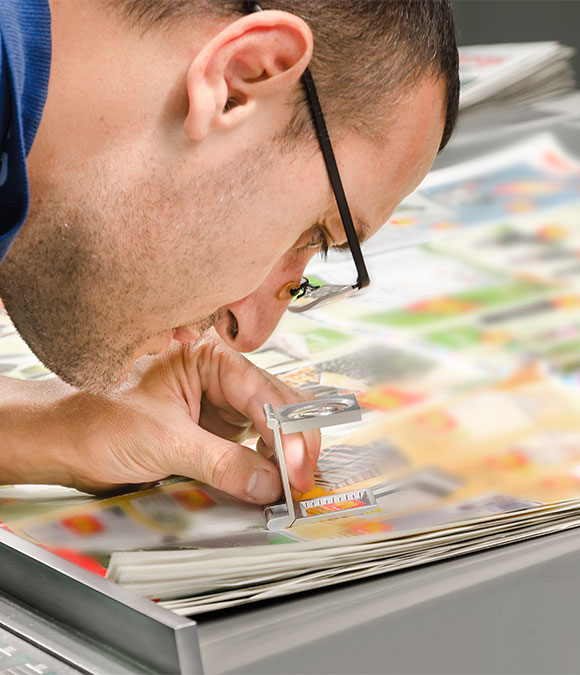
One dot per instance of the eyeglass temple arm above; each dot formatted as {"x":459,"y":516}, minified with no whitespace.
{"x":334,"y":175}
{"x":330,"y":161}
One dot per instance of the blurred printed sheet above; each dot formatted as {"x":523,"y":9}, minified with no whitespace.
{"x":464,"y":356}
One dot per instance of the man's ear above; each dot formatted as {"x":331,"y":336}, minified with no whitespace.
{"x":254,"y":59}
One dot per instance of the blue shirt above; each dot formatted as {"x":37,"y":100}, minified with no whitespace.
{"x":25,"y":48}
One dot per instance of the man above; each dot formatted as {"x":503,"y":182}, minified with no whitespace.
{"x":177,"y":191}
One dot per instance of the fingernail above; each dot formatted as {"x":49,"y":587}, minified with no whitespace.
{"x":306,"y":464}
{"x":302,"y":456}
{"x":262,"y":487}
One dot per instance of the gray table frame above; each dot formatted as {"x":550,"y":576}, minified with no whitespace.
{"x":514,"y":609}
{"x":143,"y":636}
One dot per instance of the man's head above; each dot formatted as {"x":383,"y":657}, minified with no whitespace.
{"x":175,"y":179}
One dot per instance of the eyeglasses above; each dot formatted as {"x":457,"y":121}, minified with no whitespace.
{"x":306,"y":295}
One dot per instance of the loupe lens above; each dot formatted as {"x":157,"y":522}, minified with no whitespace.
{"x":315,"y":409}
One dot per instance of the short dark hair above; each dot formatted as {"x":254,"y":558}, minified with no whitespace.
{"x":364,"y":50}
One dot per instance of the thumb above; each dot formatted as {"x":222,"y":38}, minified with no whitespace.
{"x":227,"y":466}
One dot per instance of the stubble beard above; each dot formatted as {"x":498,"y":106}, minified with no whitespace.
{"x":76,"y":302}
{"x":49,"y":284}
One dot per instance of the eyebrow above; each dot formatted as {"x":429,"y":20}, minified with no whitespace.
{"x":362,"y":232}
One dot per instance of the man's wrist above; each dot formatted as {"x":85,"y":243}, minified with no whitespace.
{"x":35,"y":444}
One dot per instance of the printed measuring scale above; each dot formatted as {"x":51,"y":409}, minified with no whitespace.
{"x":298,"y":417}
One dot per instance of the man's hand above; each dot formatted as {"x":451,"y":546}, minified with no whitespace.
{"x":182,"y":414}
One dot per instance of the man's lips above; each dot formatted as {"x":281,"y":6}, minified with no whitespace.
{"x":161,"y":344}
{"x":185,"y":335}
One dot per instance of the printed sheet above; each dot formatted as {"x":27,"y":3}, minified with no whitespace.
{"x":464,"y":357}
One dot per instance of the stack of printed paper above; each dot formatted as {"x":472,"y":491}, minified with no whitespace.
{"x":517,"y":182}
{"x":486,"y":466}
{"x":520,"y":73}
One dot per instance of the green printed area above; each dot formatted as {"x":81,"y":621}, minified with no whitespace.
{"x":36,"y":370}
{"x":438,"y":309}
{"x":316,"y":281}
{"x":103,"y":559}
{"x":324,"y":338}
{"x":562,"y":349}
{"x":13,"y":510}
{"x":566,"y":348}
{"x":460,"y":337}
{"x":503,"y":233}
{"x":502,"y":295}
{"x":570,"y":366}
{"x":468,"y":336}
{"x":280,"y":538}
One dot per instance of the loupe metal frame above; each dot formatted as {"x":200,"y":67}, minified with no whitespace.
{"x":303,"y":416}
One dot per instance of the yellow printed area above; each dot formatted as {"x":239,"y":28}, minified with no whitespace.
{"x":332,"y":508}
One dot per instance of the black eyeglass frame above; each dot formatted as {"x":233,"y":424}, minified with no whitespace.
{"x":306,"y":289}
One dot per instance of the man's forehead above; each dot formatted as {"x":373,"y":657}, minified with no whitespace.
{"x":378,"y":175}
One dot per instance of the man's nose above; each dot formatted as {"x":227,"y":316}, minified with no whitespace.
{"x":246,"y":324}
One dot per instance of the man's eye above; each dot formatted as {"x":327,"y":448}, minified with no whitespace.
{"x":320,"y":242}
